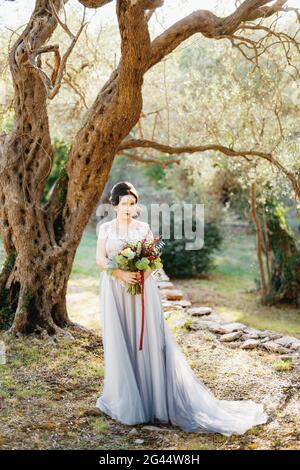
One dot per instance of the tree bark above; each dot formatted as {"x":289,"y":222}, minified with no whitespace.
{"x":259,"y":241}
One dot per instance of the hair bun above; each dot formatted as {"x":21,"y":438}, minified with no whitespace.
{"x":122,"y":188}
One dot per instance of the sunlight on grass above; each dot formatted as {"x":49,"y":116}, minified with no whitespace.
{"x":99,"y":426}
{"x":255,"y":430}
{"x":183,"y":326}
{"x":264,"y":318}
{"x":282,"y":365}
{"x":7,"y":382}
{"x":237,"y":256}
{"x":228,"y":283}
{"x":94,"y":370}
{"x":85,"y":258}
{"x":83,"y":286}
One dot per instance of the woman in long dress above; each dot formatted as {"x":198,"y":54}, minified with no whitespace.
{"x":155,"y":384}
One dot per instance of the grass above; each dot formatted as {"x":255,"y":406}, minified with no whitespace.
{"x":99,"y":426}
{"x":85,"y":258}
{"x":230,"y":289}
{"x":283,"y":365}
{"x":237,"y":257}
{"x":183,"y":326}
{"x":234,"y":302}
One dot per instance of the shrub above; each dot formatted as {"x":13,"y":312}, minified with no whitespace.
{"x":180,"y":262}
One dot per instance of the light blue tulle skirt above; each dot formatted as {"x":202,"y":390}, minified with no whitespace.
{"x":156,"y":384}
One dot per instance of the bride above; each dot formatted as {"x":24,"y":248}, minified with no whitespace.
{"x":155,"y":384}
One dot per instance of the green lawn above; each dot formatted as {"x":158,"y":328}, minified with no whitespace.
{"x":85,"y":258}
{"x":237,"y":257}
{"x":230,"y":288}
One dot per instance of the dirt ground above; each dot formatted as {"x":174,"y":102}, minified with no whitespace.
{"x":49,"y":389}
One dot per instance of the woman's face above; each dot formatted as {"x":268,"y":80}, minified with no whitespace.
{"x":127,"y":206}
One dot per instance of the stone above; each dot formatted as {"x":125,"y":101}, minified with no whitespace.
{"x":250,"y":344}
{"x":199,"y":311}
{"x":205,"y":324}
{"x":250,"y":336}
{"x":235,"y":334}
{"x":165,"y":284}
{"x":264,"y":340}
{"x":274,"y":347}
{"x":170,"y":306}
{"x":223,"y":328}
{"x":288,"y":342}
{"x":271,"y":334}
{"x":195,"y":327}
{"x":183,"y":303}
{"x":180,"y":304}
{"x":291,"y":356}
{"x":231,"y":336}
{"x":172,"y":294}
{"x":133,"y":431}
{"x":251,"y":333}
{"x":234,"y":326}
{"x":234,"y":344}
{"x":216,"y":328}
{"x":170,"y":313}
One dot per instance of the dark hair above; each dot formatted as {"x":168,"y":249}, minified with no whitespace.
{"x":122,"y":189}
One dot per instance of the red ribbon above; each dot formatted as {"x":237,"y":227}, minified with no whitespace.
{"x":143,"y":312}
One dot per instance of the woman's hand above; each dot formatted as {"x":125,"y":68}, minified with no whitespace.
{"x":131,"y":277}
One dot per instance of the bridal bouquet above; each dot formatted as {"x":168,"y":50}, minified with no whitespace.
{"x":143,"y":255}
{"x":140,"y":256}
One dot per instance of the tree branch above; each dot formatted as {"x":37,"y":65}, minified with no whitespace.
{"x":210,"y":25}
{"x":155,"y":161}
{"x":230,"y":152}
{"x":147,"y":4}
{"x":94,"y":3}
{"x":53,"y":84}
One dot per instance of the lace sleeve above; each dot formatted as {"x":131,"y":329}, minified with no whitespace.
{"x":101,"y":239}
{"x":148,"y":232}
{"x":103,"y":230}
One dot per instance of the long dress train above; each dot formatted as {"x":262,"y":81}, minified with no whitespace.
{"x":156,"y":384}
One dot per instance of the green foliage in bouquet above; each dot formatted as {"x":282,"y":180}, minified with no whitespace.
{"x":142,"y":255}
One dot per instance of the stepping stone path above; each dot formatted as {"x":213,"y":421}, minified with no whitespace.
{"x":231,"y":334}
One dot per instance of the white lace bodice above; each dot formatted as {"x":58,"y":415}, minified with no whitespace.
{"x":116,"y":238}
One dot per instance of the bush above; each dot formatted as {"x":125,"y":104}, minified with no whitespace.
{"x":180,"y":262}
